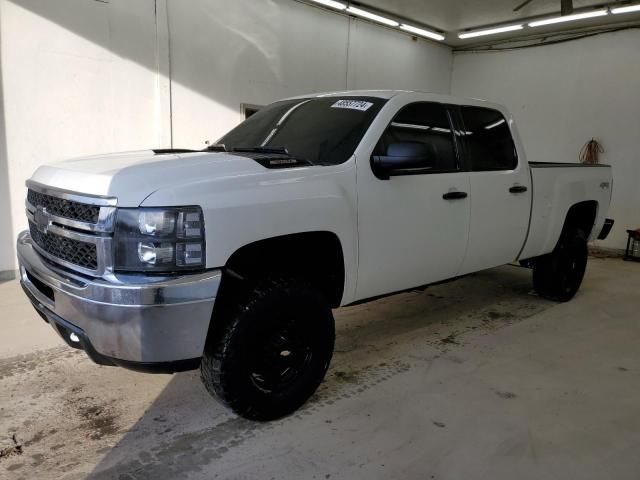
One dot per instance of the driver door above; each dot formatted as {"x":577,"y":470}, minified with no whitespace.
{"x":412,"y":223}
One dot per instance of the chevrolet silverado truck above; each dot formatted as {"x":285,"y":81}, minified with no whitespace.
{"x":231,"y":259}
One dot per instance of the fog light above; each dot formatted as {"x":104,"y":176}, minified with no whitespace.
{"x":74,"y":338}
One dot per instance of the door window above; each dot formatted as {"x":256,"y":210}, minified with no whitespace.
{"x":488,"y":138}
{"x":424,"y":129}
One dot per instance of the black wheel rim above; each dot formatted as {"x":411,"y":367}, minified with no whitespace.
{"x":280,"y":355}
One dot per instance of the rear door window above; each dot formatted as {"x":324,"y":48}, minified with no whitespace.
{"x":490,"y":145}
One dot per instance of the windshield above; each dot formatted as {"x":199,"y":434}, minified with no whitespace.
{"x":322,"y":131}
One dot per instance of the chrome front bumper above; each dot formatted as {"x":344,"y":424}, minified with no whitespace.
{"x":136,"y":321}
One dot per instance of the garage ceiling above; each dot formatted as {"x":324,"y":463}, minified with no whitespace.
{"x":456,"y":16}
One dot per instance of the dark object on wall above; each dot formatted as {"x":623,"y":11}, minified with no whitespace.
{"x":566,"y":6}
{"x":590,"y":153}
{"x":633,"y":246}
{"x":522,"y":5}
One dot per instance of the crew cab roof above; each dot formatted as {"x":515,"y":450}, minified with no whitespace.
{"x":388,"y":94}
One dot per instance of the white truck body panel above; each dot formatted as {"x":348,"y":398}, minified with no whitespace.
{"x":556,"y":188}
{"x":496,"y":230}
{"x":243,"y":209}
{"x":132,"y":176}
{"x":408,"y":236}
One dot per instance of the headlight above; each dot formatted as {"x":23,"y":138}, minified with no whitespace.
{"x":159,"y":239}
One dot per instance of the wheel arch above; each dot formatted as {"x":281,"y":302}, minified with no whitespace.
{"x":316,"y":256}
{"x":581,"y":215}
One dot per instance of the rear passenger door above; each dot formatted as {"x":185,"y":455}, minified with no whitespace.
{"x":500,"y":189}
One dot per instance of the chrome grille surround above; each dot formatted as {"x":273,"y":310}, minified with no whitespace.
{"x":75,"y":220}
{"x":65,"y":208}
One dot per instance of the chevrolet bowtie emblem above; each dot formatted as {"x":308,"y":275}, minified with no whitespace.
{"x":42,"y":219}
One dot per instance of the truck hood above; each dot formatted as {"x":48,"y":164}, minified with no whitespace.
{"x":133,"y":176}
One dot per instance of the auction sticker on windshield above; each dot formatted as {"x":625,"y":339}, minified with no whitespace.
{"x":353,"y":105}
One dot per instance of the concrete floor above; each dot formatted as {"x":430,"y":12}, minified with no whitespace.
{"x":476,"y":379}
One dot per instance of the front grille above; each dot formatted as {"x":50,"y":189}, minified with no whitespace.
{"x":79,"y":253}
{"x":61,"y":207}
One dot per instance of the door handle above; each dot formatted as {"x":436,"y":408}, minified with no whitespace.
{"x":518,"y":189}
{"x":455,"y":195}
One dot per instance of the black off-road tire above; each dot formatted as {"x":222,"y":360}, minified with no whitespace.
{"x":558,"y":275}
{"x":272,"y":351}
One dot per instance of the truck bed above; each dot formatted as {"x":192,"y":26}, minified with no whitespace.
{"x":556,"y":188}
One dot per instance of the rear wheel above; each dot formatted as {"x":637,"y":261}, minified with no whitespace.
{"x":558,"y":275}
{"x":273,"y":350}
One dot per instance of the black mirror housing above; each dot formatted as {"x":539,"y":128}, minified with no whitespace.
{"x":404,"y":158}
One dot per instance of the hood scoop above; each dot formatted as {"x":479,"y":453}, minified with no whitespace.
{"x":173,"y":151}
{"x":274,"y":160}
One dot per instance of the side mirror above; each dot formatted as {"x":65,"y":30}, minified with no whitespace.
{"x":406,"y":158}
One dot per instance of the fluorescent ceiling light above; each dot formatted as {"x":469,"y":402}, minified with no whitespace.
{"x":410,"y":126}
{"x":422,"y":32}
{"x":569,"y":18}
{"x":332,"y":4}
{"x":496,"y":124}
{"x":372,"y":16}
{"x":627,"y":9}
{"x":490,"y":31}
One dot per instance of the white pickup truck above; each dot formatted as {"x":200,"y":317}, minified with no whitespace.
{"x":231,"y":259}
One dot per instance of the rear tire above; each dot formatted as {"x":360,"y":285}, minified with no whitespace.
{"x":558,"y":275}
{"x":272,"y":351}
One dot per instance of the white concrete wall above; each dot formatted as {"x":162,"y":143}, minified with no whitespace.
{"x":562,"y":96}
{"x":77,"y":78}
{"x":258,"y":52}
{"x":6,"y":231}
{"x":85,"y":76}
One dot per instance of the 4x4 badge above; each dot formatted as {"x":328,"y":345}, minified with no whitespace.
{"x":42,"y":219}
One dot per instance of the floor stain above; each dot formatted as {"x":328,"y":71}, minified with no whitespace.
{"x":451,"y":339}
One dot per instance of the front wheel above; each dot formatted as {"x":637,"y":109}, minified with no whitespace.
{"x":558,"y":275}
{"x":273,"y":350}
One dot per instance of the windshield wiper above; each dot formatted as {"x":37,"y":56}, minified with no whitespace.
{"x":273,"y":150}
{"x":166,"y":151}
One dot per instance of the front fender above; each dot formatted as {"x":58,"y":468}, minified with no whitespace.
{"x":243,"y":209}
